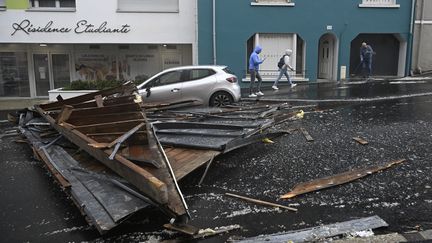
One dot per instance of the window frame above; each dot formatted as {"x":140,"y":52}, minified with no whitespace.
{"x":57,"y":7}
{"x":137,"y":10}
{"x":365,"y":4}
{"x":2,"y":5}
{"x":286,"y":3}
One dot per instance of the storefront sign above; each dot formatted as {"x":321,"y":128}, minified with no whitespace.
{"x":81,"y":27}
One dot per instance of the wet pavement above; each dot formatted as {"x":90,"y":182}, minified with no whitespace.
{"x":393,"y":116}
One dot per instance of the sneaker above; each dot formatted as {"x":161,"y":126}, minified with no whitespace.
{"x":293,"y":85}
{"x":252,"y":96}
{"x":259,"y":93}
{"x":275,"y":87}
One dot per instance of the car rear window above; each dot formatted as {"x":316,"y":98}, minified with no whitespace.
{"x":227,"y":70}
{"x":200,"y":73}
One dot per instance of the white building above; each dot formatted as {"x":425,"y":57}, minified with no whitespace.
{"x":45,"y":44}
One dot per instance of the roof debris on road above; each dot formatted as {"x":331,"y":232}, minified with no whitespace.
{"x":360,"y":140}
{"x":149,"y":147}
{"x":338,"y":179}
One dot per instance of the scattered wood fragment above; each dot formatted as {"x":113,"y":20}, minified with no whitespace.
{"x":183,"y":228}
{"x":360,"y":140}
{"x":338,"y":179}
{"x":202,"y":233}
{"x":261,"y":202}
{"x":308,"y":137}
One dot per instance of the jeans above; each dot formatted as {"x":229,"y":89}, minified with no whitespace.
{"x":254,"y":73}
{"x":283,"y":71}
{"x":367,"y":64}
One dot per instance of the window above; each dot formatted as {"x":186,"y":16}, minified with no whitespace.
{"x":288,"y":3}
{"x":196,"y":74}
{"x":52,"y":4}
{"x":148,"y":5}
{"x":14,"y":80}
{"x":379,"y":4}
{"x":168,"y":78}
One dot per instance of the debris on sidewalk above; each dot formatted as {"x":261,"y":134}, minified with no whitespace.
{"x":319,"y":233}
{"x":338,"y":179}
{"x":260,"y":202}
{"x":306,"y":134}
{"x":195,"y":233}
{"x":361,"y":140}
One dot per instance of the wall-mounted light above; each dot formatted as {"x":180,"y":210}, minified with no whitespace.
{"x":43,"y":45}
{"x":164,"y":45}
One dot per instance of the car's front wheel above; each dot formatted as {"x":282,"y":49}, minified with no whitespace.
{"x":221,"y":98}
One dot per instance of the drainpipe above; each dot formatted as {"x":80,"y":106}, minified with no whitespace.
{"x":408,"y":68}
{"x":419,"y":37}
{"x":214,"y":33}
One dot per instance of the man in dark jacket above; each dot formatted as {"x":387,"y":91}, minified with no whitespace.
{"x":254,"y":62}
{"x":366,"y":53}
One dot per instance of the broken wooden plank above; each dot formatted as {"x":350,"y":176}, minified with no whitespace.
{"x":183,"y":228}
{"x":260,"y":202}
{"x":308,"y":137}
{"x":338,"y":179}
{"x":319,"y":233}
{"x":64,"y":114}
{"x":360,"y":140}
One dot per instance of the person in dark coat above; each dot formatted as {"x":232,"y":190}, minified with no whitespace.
{"x":366,"y":53}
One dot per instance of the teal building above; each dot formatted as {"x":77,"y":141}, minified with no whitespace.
{"x":324,"y":35}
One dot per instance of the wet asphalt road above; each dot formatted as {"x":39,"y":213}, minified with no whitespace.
{"x":35,"y":209}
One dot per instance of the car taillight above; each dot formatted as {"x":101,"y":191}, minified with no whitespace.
{"x":232,"y":79}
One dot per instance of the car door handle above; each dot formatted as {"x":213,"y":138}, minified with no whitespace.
{"x":175,"y":90}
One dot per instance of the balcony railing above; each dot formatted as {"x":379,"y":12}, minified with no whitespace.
{"x":379,"y":4}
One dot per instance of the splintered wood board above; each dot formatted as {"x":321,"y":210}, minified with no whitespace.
{"x":338,"y":179}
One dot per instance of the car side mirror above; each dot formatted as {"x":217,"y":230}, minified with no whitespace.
{"x":148,"y":91}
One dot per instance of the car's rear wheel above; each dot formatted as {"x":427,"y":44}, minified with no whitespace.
{"x":221,"y":98}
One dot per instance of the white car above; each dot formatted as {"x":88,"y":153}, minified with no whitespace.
{"x":211,"y":85}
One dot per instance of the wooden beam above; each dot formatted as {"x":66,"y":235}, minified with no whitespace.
{"x":64,"y":114}
{"x":338,"y":179}
{"x":260,"y":202}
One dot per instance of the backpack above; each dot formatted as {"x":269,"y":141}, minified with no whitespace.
{"x":281,"y":62}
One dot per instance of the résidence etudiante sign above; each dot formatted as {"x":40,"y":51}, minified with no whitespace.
{"x":81,"y":27}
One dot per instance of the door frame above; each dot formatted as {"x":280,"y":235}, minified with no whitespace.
{"x":333,"y":52}
{"x":50,"y":72}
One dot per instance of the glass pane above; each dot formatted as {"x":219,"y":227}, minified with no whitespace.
{"x":14,"y":80}
{"x":170,"y":78}
{"x":67,"y":3}
{"x":61,"y":72}
{"x":149,"y":5}
{"x":41,"y":72}
{"x":47,"y":3}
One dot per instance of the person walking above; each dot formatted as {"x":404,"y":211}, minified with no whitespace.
{"x":283,"y":65}
{"x":254,"y":62}
{"x":366,"y":53}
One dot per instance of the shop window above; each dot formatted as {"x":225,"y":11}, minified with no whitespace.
{"x":288,"y":3}
{"x":379,"y":4}
{"x":14,"y":80}
{"x":52,"y":4}
{"x":148,"y":5}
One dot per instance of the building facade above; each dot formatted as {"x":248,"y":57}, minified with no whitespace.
{"x":325,"y":35}
{"x":45,"y":44}
{"x":422,"y":45}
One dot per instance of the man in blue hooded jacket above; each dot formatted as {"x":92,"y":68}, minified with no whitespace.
{"x":254,"y":62}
